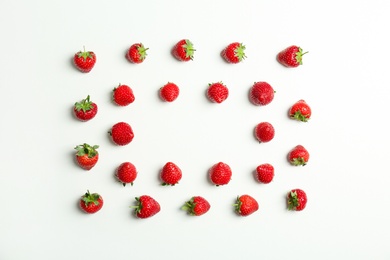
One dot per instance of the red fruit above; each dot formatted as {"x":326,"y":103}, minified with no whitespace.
{"x":300,"y":111}
{"x":196,"y":206}
{"x":183,"y":50}
{"x":123,"y":95}
{"x":170,"y":174}
{"x":265,"y":173}
{"x":298,"y":156}
{"x":246,"y":205}
{"x":264,"y":132}
{"x":291,"y":56}
{"x":169,"y":92}
{"x":91,"y":203}
{"x":85,"y":109}
{"x":234,"y":52}
{"x":87,"y":156}
{"x":220,"y":174}
{"x":136,"y":53}
{"x":217,"y":92}
{"x":146,"y":207}
{"x":261,"y":93}
{"x":121,"y":133}
{"x":84,"y":60}
{"x":296,"y":200}
{"x":126,"y":173}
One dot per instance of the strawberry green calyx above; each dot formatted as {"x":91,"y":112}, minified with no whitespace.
{"x":293,"y":201}
{"x":298,"y":161}
{"x":142,"y":51}
{"x":85,"y":105}
{"x":89,"y":198}
{"x":86,"y":149}
{"x":240,"y":52}
{"x":299,"y":116}
{"x":189,"y":48}
{"x":137,"y":208}
{"x":237,"y":205}
{"x":189,"y":207}
{"x":299,"y":54}
{"x":84,"y":54}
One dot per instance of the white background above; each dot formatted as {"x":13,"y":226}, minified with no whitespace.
{"x":344,"y":79}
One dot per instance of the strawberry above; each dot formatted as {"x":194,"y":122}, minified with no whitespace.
{"x":123,"y":95}
{"x":87,"y":156}
{"x":296,"y":200}
{"x":91,"y":203}
{"x":126,"y":173}
{"x":169,"y":92}
{"x":217,"y":92}
{"x":300,"y":111}
{"x":264,"y":132}
{"x":183,"y":50}
{"x":196,"y":206}
{"x":261,"y":93}
{"x":220,"y":174}
{"x":291,"y":57}
{"x":146,"y":207}
{"x":265,"y":173}
{"x":234,"y":52}
{"x":136,"y":53}
{"x":170,"y":174}
{"x":121,"y":133}
{"x":84,"y":60}
{"x":85,"y":109}
{"x":298,"y":156}
{"x":246,"y":205}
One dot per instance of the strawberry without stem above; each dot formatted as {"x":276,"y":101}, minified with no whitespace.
{"x":84,"y":60}
{"x":87,"y":156}
{"x":146,"y":207}
{"x":261,"y":93}
{"x":196,"y":206}
{"x":298,"y":156}
{"x":291,"y":57}
{"x":234,"y":52}
{"x":264,"y":132}
{"x":136,"y":53}
{"x":169,"y":92}
{"x":121,"y":133}
{"x":265,"y":173}
{"x":296,"y":200}
{"x":183,"y":50}
{"x":123,"y":95}
{"x":126,"y":173}
{"x":170,"y":174}
{"x":300,"y":111}
{"x":91,"y":203}
{"x":246,"y":205}
{"x":220,"y":174}
{"x":217,"y":92}
{"x":85,"y":109}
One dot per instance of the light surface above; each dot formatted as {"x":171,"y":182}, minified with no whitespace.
{"x":344,"y":79}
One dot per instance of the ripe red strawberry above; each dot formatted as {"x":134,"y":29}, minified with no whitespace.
{"x":126,"y":173}
{"x":170,"y":174}
{"x":234,"y":52}
{"x":169,"y":92}
{"x":87,"y":156}
{"x":84,"y":60}
{"x":123,"y":95}
{"x":261,"y":93}
{"x":298,"y":156}
{"x":184,"y":50}
{"x":265,"y":173}
{"x":246,"y":205}
{"x":85,"y":109}
{"x":220,"y":174}
{"x":296,"y":200}
{"x":121,"y":133}
{"x":146,"y":207}
{"x":136,"y":53}
{"x":91,"y":203}
{"x":217,"y":92}
{"x":300,"y":111}
{"x":196,"y":206}
{"x":264,"y":132}
{"x":291,"y":56}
